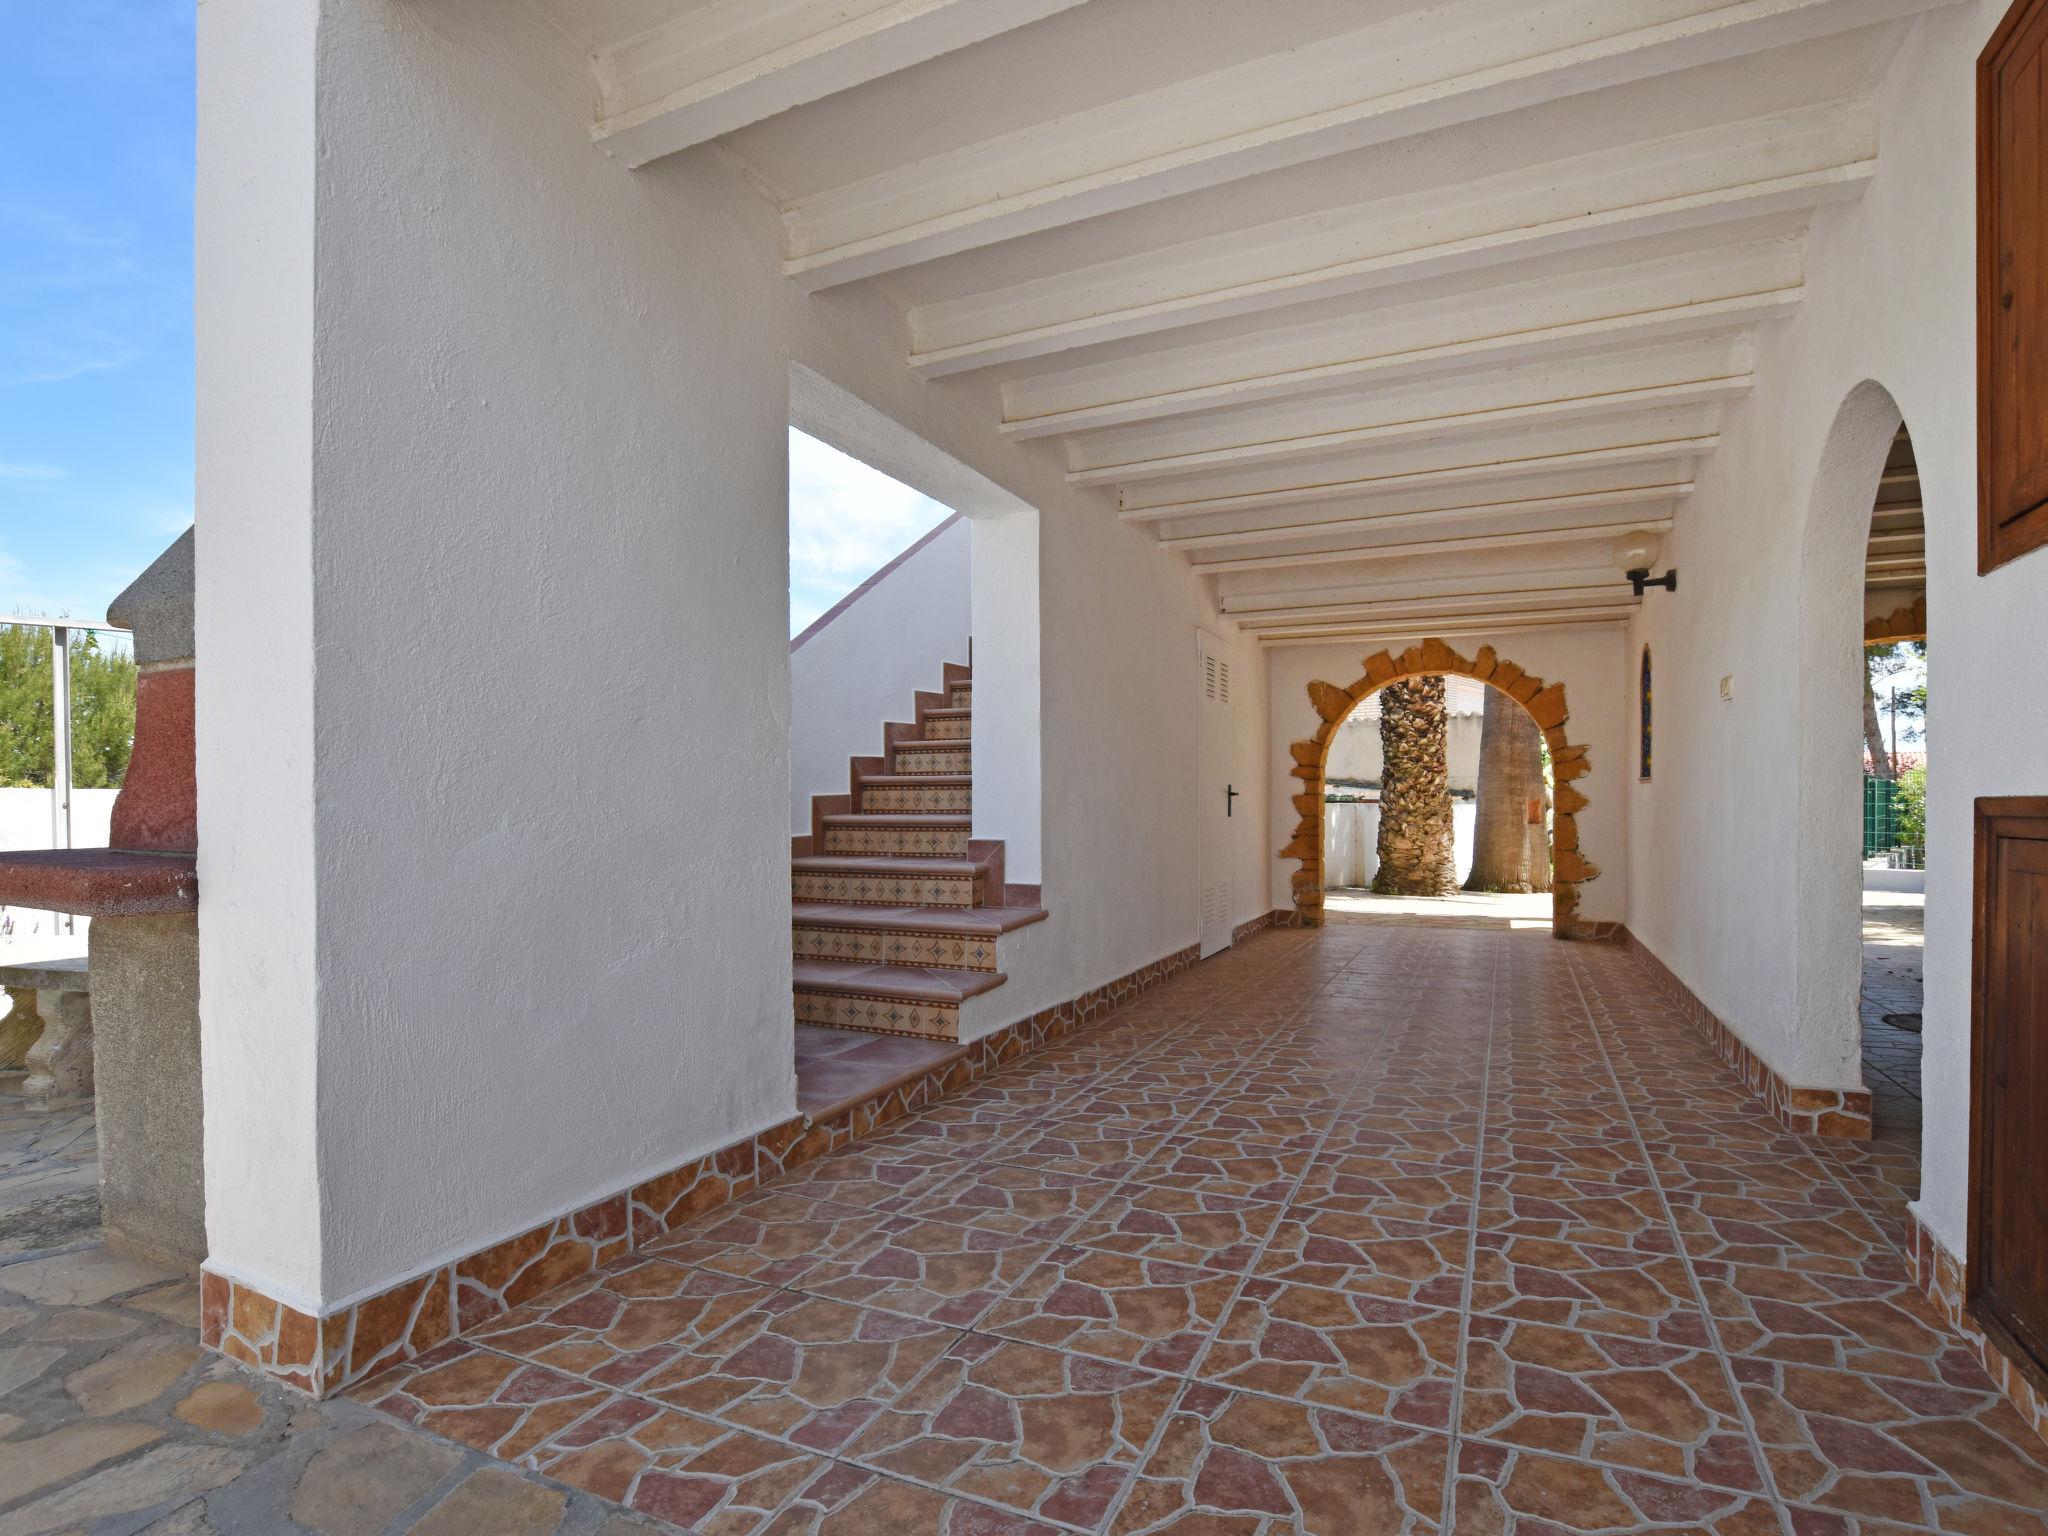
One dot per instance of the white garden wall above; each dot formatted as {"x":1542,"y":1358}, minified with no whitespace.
{"x":494,"y":733}
{"x":864,"y":661}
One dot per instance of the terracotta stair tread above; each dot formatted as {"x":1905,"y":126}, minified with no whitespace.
{"x":899,"y":819}
{"x":837,"y":1069}
{"x":884,"y":864}
{"x":972,"y":921}
{"x":948,"y":743}
{"x":907,"y":983}
{"x":949,"y":711}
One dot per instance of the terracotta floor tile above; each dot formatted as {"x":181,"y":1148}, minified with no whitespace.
{"x":1898,"y":1451}
{"x":1231,"y":1464}
{"x":1218,"y":1165}
{"x":926,"y":1269}
{"x":1182,"y":1226}
{"x":1395,"y":1191}
{"x":803,"y":1368}
{"x":848,"y":1500}
{"x":1599,"y":1397}
{"x":1081,"y":1147}
{"x":692,"y":1472}
{"x":1137,"y":1311}
{"x":1591,"y":1287}
{"x":1019,"y":1202}
{"x":1365,"y":1353}
{"x":622,"y":1323}
{"x":491,"y":1402}
{"x":1044,"y":1433}
{"x":772,"y":1237}
{"x":1575,"y":1211}
{"x":885,"y":1174}
{"x":1502,"y":1491}
{"x":1369,"y":1255}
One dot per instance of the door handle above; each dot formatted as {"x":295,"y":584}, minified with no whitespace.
{"x":1229,"y":799}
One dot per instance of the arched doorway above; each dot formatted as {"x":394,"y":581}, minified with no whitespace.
{"x":1862,"y":583}
{"x":1545,"y":702}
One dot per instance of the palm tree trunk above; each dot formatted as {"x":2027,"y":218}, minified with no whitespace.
{"x":1416,"y":853}
{"x":1873,"y":731}
{"x":1539,"y":821}
{"x":1500,"y":822}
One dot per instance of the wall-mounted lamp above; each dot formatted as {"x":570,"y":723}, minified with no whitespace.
{"x":1634,"y":554}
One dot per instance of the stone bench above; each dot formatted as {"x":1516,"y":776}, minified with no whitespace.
{"x":48,"y":1029}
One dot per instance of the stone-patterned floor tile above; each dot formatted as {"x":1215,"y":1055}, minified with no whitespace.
{"x":1435,"y":1195}
{"x":1182,"y":1226}
{"x":1503,"y":1491}
{"x":1019,"y":1202}
{"x":492,"y":1402}
{"x":1082,"y":1148}
{"x":1262,"y":1122}
{"x":692,"y":1472}
{"x":1365,"y":1353}
{"x":1885,"y":1328}
{"x":1901,"y":1451}
{"x":1598,"y":1397}
{"x":1136,"y":1311}
{"x":617,"y":1326}
{"x":1233,"y":1464}
{"x":885,"y":1174}
{"x":849,"y":1500}
{"x":1591,"y":1287}
{"x":804,"y":1368}
{"x":771,"y":1239}
{"x":1575,"y":1211}
{"x":1045,"y":1433}
{"x":1368,"y":1255}
{"x":1783,"y":1234}
{"x":927,"y":1269}
{"x":1219,"y":1165}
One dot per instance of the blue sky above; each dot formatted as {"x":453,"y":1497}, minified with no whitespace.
{"x":95,"y":297}
{"x":96,"y":327}
{"x":845,"y":522}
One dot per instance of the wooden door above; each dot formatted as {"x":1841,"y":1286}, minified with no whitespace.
{"x":2008,"y":1269}
{"x":2012,"y":287}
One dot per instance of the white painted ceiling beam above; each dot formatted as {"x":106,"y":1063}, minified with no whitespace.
{"x":1673,"y":450}
{"x":1502,"y":350}
{"x":1471,"y":543}
{"x":1415,"y":73}
{"x":1416,"y":624}
{"x":1785,"y":163}
{"x":1483,"y":584}
{"x":1382,"y":634}
{"x":1607,"y":594}
{"x":1582,"y":408}
{"x":718,"y":67}
{"x":1524,"y":507}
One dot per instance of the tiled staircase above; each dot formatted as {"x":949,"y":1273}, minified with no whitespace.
{"x":899,"y":913}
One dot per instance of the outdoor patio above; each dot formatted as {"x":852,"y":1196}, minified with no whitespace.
{"x":1388,"y":1227}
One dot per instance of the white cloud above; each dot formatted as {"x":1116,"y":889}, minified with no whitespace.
{"x":29,"y":471}
{"x":78,"y":367}
{"x":846,"y":521}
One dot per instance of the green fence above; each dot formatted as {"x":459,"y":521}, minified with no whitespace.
{"x":1880,"y":815}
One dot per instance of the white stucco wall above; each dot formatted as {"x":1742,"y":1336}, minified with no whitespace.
{"x":1745,"y":843}
{"x":493,"y":503}
{"x":869,"y":661}
{"x":1590,"y":664}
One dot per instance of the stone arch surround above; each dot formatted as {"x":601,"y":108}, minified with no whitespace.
{"x":1546,"y":705}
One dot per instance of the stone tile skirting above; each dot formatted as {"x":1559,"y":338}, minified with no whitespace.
{"x":1940,"y":1274}
{"x":325,"y":1354}
{"x":1812,"y":1111}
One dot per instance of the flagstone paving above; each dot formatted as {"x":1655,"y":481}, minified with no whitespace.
{"x":1385,"y":1228}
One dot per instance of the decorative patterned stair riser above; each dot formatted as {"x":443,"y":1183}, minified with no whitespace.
{"x":930,"y":759}
{"x":899,"y":841}
{"x":929,"y":800}
{"x":882,"y":946}
{"x":961,"y":696}
{"x":879,"y":1015}
{"x":946,"y":728}
{"x":887,"y":890}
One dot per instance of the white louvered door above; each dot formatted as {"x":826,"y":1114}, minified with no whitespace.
{"x":1215,"y":818}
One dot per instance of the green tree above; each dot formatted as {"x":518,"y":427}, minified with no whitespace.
{"x":102,"y":710}
{"x":1912,"y":804}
